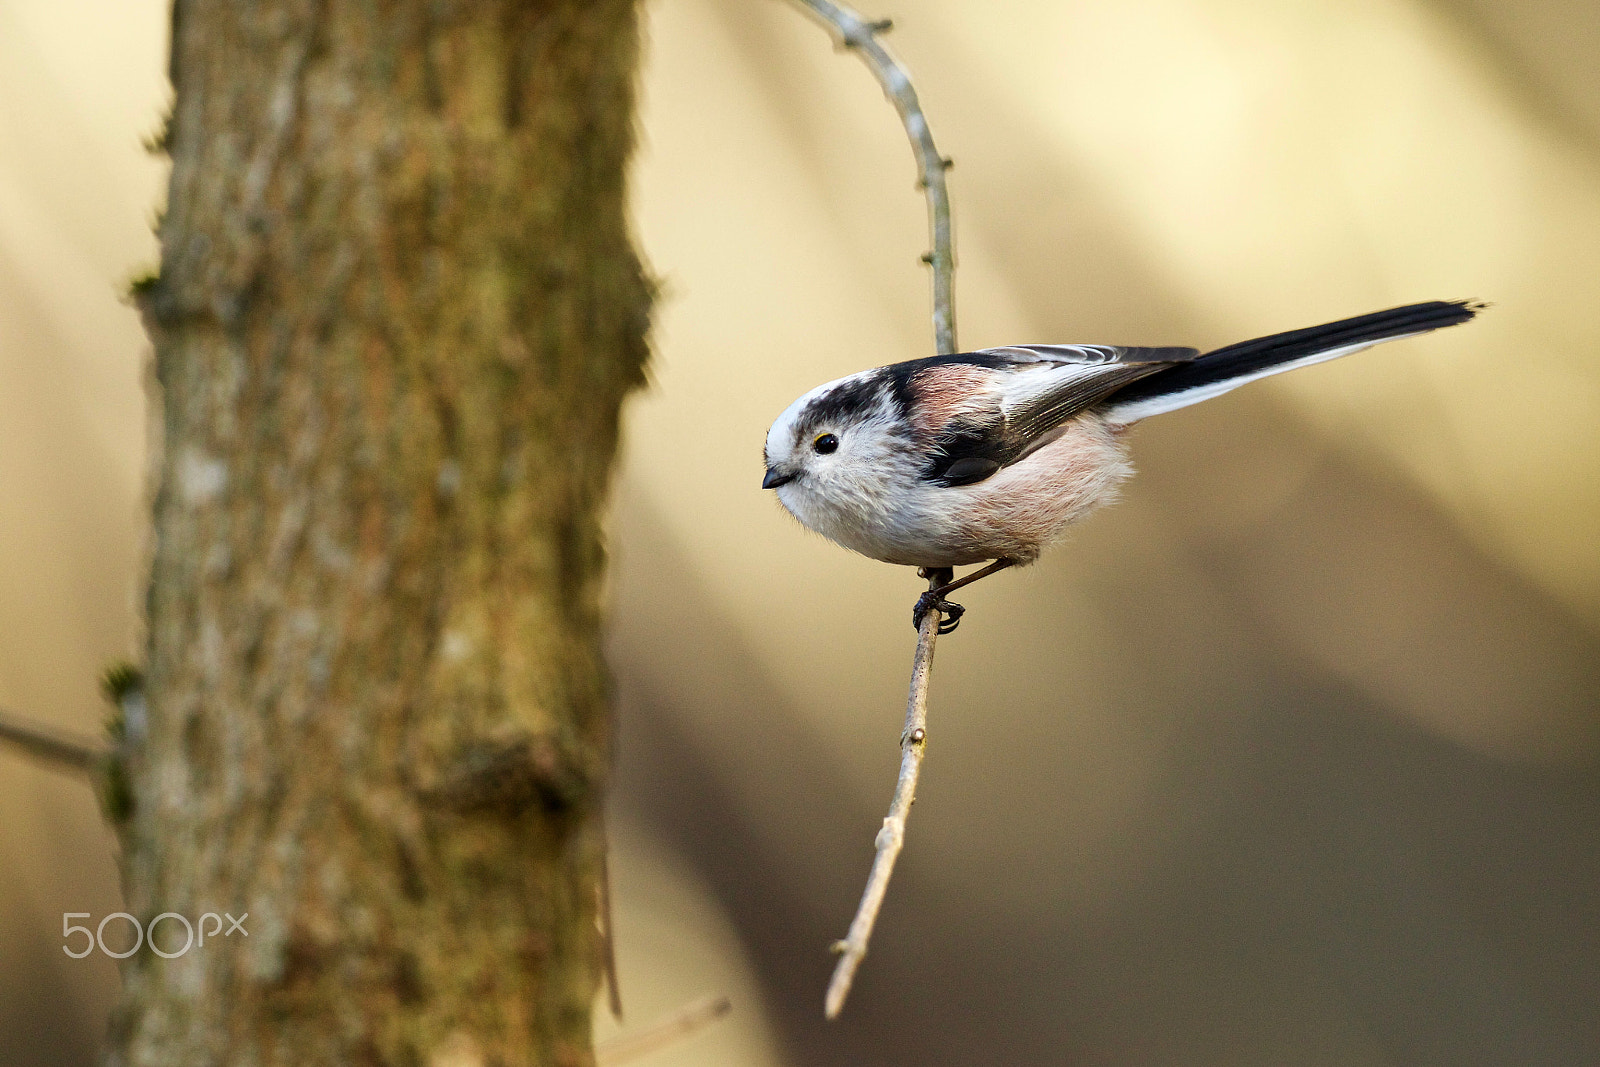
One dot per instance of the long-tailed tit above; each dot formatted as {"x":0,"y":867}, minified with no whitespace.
{"x":991,"y":455}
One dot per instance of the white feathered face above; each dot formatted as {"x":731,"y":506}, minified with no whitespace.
{"x":837,"y":450}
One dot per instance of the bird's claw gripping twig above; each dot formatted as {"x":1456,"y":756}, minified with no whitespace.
{"x":942,"y":580}
{"x":931,"y":601}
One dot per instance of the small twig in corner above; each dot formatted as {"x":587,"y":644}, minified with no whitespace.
{"x":860,"y":35}
{"x":675,"y":1027}
{"x":56,"y":749}
{"x":608,"y":928}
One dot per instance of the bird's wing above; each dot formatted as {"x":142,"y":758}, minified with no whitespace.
{"x":1036,"y":405}
{"x":986,"y":410}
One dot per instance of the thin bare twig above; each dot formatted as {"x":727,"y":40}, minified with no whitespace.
{"x":658,"y":1035}
{"x":57,"y":749}
{"x":860,"y":35}
{"x":913,"y":743}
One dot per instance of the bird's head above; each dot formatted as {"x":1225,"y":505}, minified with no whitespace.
{"x":836,"y":444}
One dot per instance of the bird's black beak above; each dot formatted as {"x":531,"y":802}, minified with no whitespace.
{"x":775,"y":478}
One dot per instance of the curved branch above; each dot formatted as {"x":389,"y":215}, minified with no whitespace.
{"x":860,"y":35}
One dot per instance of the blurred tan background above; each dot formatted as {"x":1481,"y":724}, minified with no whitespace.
{"x":1292,"y":757}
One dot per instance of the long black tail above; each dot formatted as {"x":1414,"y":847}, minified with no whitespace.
{"x":1228,"y":368}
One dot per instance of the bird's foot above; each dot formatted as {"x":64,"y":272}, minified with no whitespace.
{"x":950,"y":614}
{"x":941,"y":580}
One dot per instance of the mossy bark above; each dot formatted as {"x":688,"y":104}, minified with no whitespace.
{"x":396,"y":316}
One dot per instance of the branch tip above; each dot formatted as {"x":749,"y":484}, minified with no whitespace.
{"x":891,"y":838}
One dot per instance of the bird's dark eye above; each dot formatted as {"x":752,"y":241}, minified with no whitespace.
{"x":826,"y":443}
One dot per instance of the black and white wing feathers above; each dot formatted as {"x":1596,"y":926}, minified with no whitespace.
{"x":1035,"y":411}
{"x":982,"y":411}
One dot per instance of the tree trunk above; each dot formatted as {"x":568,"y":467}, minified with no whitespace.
{"x":396,"y":316}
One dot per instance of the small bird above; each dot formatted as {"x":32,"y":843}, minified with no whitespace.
{"x":990,"y":455}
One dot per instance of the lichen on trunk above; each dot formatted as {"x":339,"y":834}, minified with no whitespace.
{"x":396,"y":316}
